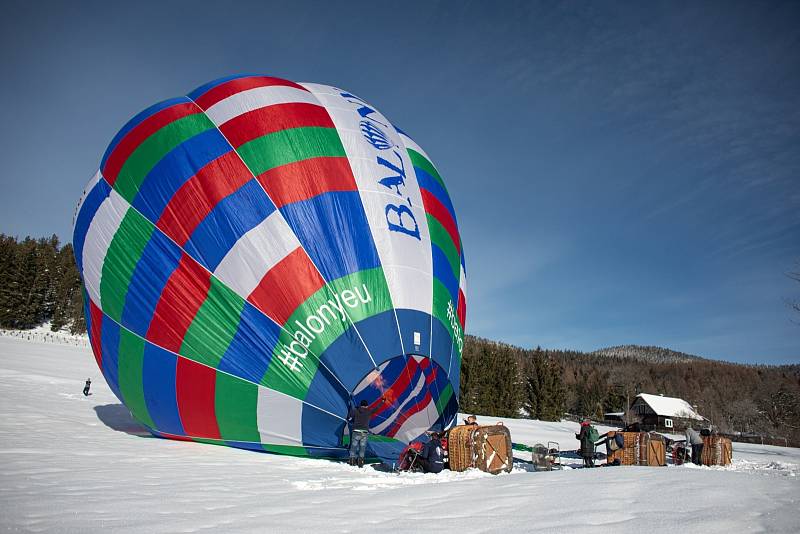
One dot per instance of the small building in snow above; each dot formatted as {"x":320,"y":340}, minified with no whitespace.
{"x":658,"y":412}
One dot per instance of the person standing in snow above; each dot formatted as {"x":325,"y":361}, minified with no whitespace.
{"x":694,"y":439}
{"x":360,"y":417}
{"x":86,"y":387}
{"x":587,"y":437}
{"x":432,"y":456}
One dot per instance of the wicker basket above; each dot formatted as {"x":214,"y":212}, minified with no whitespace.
{"x":459,"y":447}
{"x":492,"y":449}
{"x":639,"y":448}
{"x":487,"y":448}
{"x":717,"y":450}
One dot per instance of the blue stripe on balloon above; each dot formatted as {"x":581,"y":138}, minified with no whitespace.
{"x":230,"y":219}
{"x":347,"y":359}
{"x":250,"y":351}
{"x":158,"y":381}
{"x":333,"y":229}
{"x":174,"y":169}
{"x":109,"y":341}
{"x":380,"y":334}
{"x":441,"y":344}
{"x":159,"y":259}
{"x":320,"y":429}
{"x":90,"y":205}
{"x":415,"y":321}
{"x":443,"y":272}
{"x":327,"y":393}
{"x":428,"y":182}
{"x":138,"y":119}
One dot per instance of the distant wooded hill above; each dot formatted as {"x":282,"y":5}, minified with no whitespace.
{"x":646,"y":354}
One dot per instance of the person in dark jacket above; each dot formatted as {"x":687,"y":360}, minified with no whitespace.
{"x":360,"y":416}
{"x":587,"y":445}
{"x":432,"y":456}
{"x":694,"y":439}
{"x":87,"y":386}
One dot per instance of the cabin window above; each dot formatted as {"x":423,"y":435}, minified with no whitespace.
{"x":668,"y":423}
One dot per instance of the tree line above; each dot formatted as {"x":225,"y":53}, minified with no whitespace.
{"x":39,"y":282}
{"x":506,"y":381}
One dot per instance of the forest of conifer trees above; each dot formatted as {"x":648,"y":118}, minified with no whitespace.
{"x":39,"y":282}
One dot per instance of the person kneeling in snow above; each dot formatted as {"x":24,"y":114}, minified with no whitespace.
{"x":432,"y":456}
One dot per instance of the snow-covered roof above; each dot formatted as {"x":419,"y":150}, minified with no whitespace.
{"x":670,"y":406}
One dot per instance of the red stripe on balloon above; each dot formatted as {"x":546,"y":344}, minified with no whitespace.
{"x":307,"y":178}
{"x":462,"y":308}
{"x":286,"y":286}
{"x":237,"y":85}
{"x":434,"y":207}
{"x":270,"y":119}
{"x":198,"y":196}
{"x":195,"y":385}
{"x":96,"y":319}
{"x":142,"y":131}
{"x":182,"y":297}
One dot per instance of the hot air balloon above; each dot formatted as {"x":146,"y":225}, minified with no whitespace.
{"x":258,"y":256}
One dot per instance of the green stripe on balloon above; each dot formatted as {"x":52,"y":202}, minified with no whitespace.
{"x":214,"y":326}
{"x":154,"y":148}
{"x":290,"y":450}
{"x":287,"y":146}
{"x":444,"y":398}
{"x":123,"y":254}
{"x":131,"y":363}
{"x":293,"y":376}
{"x":418,"y":160}
{"x":235,"y":403}
{"x":441,"y":303}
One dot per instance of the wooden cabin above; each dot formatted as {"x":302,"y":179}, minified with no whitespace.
{"x":665,"y":414}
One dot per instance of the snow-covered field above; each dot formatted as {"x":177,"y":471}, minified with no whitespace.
{"x":73,"y":464}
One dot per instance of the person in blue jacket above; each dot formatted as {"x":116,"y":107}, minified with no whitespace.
{"x":432,"y":456}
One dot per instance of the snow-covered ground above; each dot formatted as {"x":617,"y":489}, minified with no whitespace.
{"x":73,"y":464}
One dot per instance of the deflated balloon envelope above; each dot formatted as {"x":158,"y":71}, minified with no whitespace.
{"x":259,"y":255}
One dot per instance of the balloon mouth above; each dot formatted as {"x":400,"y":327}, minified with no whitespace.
{"x":411,"y":395}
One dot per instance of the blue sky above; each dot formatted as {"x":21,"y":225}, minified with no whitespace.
{"x":622,"y":172}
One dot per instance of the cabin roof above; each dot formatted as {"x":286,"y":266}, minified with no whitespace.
{"x":670,"y":406}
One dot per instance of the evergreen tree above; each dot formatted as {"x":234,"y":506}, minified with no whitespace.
{"x":67,"y":285}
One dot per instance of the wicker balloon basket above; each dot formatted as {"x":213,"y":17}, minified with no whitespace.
{"x":639,"y":448}
{"x":717,"y":451}
{"x":487,"y":448}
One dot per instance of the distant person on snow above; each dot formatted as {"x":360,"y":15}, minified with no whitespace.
{"x":432,"y":456}
{"x":87,"y":386}
{"x":587,"y":436}
{"x":360,"y":417}
{"x":694,"y":439}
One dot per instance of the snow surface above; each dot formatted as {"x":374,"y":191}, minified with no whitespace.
{"x":69,"y":463}
{"x":670,"y":406}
